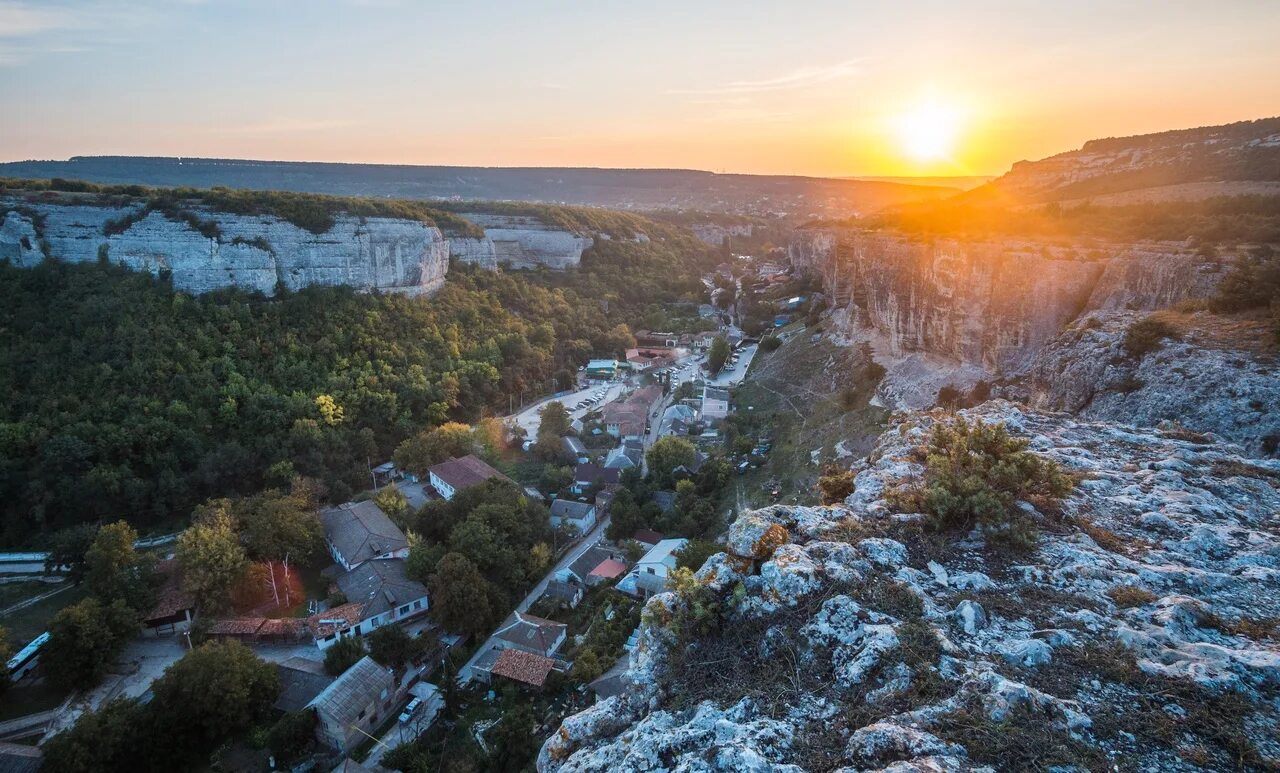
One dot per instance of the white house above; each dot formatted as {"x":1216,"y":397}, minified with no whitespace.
{"x":649,"y":575}
{"x":378,"y":593}
{"x":356,"y":532}
{"x":579,"y":515}
{"x":463,"y":472}
{"x":715,"y":403}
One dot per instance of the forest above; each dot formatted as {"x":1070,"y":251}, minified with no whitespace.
{"x":126,"y":399}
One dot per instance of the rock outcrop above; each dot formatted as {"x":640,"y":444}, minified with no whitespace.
{"x":1207,"y":379}
{"x":212,"y":249}
{"x":520,"y":241}
{"x":1139,"y":632}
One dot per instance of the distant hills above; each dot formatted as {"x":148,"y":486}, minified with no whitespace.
{"x":1236,"y":158}
{"x":637,"y":189}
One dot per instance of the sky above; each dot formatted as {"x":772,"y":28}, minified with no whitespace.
{"x":801,"y":87}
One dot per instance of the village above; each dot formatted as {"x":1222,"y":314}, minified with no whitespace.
{"x":643,"y":441}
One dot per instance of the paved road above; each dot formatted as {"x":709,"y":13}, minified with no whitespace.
{"x":588,"y":542}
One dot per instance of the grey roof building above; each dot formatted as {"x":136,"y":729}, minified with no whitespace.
{"x":358,"y":700}
{"x":359,"y":531}
{"x":381,"y":586}
{"x":301,"y":680}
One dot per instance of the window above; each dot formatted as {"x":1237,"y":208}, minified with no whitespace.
{"x":417,"y":604}
{"x":405,"y":609}
{"x":360,"y":716}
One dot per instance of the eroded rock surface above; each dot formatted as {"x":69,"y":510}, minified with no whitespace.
{"x":1139,"y":633}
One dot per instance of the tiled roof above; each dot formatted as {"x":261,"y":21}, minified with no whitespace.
{"x":301,"y":681}
{"x":241,"y":626}
{"x":647,"y":536}
{"x":577,"y":511}
{"x":325,"y":623}
{"x":523,"y":667}
{"x":351,"y":693}
{"x":360,"y":531}
{"x":171,"y":598}
{"x":531,"y":631}
{"x":465,"y":472}
{"x":594,"y":473}
{"x":609,"y":569}
{"x":379,"y":585}
{"x":283,"y":626}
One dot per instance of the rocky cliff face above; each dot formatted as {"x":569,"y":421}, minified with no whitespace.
{"x":523,"y":242}
{"x":251,"y":252}
{"x":1140,"y":634}
{"x":1210,"y":377}
{"x":947,"y":313}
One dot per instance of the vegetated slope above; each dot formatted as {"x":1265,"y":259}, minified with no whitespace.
{"x":1139,"y":632}
{"x":625,"y":188}
{"x":811,"y":399}
{"x":1243,"y":151}
{"x":121,"y":397}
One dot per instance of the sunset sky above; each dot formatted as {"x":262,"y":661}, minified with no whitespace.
{"x":820,"y":88}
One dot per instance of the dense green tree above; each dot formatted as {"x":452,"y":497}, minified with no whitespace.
{"x":430,"y":447}
{"x":115,"y":737}
{"x":343,"y":654}
{"x":211,"y":559}
{"x":214,"y":691}
{"x":666,"y":455}
{"x":718,"y":354}
{"x":393,"y":647}
{"x":512,"y":742}
{"x":693,"y":555}
{"x":555,"y":420}
{"x":458,"y":600}
{"x":68,"y":549}
{"x":84,"y":641}
{"x":292,"y":735}
{"x":115,"y":570}
{"x":393,"y":502}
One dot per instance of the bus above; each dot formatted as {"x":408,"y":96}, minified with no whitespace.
{"x":28,"y":658}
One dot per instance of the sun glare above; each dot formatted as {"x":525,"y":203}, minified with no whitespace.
{"x":928,"y":132}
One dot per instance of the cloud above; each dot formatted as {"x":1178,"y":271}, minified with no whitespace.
{"x":18,"y":20}
{"x":804,"y":77}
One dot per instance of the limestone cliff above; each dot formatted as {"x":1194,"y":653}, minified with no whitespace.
{"x":519,"y":241}
{"x":204,"y":249}
{"x":1138,"y":635}
{"x":949,"y":313}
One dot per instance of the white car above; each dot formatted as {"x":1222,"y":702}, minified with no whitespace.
{"x":410,"y":709}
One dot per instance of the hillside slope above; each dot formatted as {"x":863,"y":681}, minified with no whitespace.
{"x":1140,"y":632}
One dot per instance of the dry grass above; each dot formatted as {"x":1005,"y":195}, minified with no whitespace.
{"x":1127,"y":596}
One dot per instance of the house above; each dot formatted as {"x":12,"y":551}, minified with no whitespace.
{"x":665,"y":500}
{"x":525,"y":667}
{"x":356,"y":532}
{"x":651,"y":338}
{"x":627,"y":419}
{"x":629,"y":454}
{"x":676,"y":418}
{"x":645,"y":358}
{"x":529,"y":633}
{"x":564,"y":593}
{"x":689,"y":470}
{"x":715,"y":403}
{"x":585,"y":476}
{"x":575,"y":449}
{"x":301,"y":680}
{"x":649,"y":575}
{"x":378,"y":593}
{"x":385,"y":473}
{"x":647,"y":538}
{"x":462,"y":472}
{"x":357,"y":703}
{"x":608,"y":569}
{"x":601,"y":370}
{"x":579,"y":515}
{"x":580,"y":570}
{"x":174,"y":607}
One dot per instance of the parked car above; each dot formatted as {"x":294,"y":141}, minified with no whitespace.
{"x":410,"y":709}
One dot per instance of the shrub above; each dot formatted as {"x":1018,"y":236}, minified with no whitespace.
{"x":976,"y":473}
{"x":770,"y":343}
{"x":835,"y":484}
{"x":1147,"y":335}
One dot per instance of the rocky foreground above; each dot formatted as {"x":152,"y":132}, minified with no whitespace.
{"x":1138,"y":635}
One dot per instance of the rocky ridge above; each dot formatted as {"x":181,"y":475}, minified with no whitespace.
{"x":1140,"y":633}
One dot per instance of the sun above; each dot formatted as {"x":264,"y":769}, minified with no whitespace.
{"x":928,"y":131}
